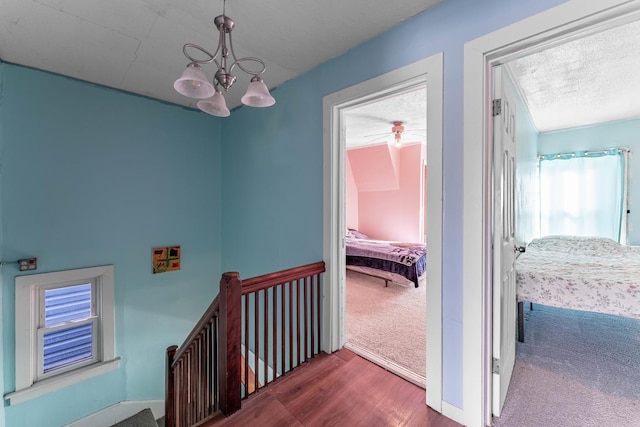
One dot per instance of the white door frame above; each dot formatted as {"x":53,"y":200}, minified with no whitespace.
{"x":427,"y":71}
{"x":569,"y":20}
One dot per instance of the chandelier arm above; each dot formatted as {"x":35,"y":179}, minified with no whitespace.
{"x":249,"y":59}
{"x":201,"y":49}
{"x":237,"y":61}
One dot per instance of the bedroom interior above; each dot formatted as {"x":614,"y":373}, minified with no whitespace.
{"x":385,"y":244}
{"x":579,"y":268}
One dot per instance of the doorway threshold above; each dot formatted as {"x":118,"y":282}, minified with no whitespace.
{"x":387,"y":364}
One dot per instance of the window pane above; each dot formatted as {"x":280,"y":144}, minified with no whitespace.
{"x":67,"y":304}
{"x":582,"y":196}
{"x":67,"y":346}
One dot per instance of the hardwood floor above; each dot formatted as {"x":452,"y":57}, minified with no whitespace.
{"x":340,"y":389}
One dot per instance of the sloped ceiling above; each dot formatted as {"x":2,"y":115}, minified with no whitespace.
{"x":375,"y":168}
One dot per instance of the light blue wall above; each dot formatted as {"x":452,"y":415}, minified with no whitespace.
{"x":93,"y":176}
{"x":608,"y":135}
{"x":70,"y":150}
{"x":272,"y":166}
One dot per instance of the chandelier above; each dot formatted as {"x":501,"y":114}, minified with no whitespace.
{"x":194,"y":84}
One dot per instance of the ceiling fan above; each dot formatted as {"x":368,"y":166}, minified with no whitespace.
{"x":397,"y":130}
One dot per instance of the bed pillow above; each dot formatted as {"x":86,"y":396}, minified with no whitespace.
{"x":356,"y":234}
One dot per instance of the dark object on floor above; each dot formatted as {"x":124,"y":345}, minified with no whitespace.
{"x":143,"y":418}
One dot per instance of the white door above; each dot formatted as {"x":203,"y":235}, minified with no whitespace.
{"x":504,"y":276}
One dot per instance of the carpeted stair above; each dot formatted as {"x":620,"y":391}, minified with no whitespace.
{"x":143,"y":418}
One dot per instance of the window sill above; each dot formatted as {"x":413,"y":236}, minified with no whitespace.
{"x":59,"y":381}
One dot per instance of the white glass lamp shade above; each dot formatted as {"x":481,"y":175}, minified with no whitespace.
{"x":193,"y":83}
{"x":216,"y":105}
{"x":257,"y":94}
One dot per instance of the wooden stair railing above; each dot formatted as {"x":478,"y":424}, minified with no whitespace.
{"x":240,"y":343}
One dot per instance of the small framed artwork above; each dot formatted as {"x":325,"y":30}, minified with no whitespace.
{"x":165,"y":259}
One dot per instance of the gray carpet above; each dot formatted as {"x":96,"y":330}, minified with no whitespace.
{"x":388,"y":321}
{"x":575,"y":369}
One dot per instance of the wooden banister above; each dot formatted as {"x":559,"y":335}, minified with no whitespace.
{"x":211,"y":313}
{"x":169,"y":402}
{"x":265,"y":281}
{"x":205,"y":374}
{"x":230,"y":342}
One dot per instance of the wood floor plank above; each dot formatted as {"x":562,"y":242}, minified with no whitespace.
{"x":345,"y":354}
{"x":357,"y":396}
{"x":339,"y":389}
{"x":263,"y":410}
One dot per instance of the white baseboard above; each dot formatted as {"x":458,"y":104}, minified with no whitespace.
{"x":453,"y":412}
{"x":118,"y":412}
{"x":390,"y":366}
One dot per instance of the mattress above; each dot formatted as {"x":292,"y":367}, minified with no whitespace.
{"x":581,"y":273}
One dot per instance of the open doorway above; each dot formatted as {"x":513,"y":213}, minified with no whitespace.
{"x":425,"y":72}
{"x":385,"y":210}
{"x":577,"y":112}
{"x":571,"y":20}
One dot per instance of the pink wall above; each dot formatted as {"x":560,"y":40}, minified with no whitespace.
{"x":388,"y":205}
{"x":375,"y":167}
{"x":351,"y":198}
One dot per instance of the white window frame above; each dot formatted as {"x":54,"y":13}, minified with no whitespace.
{"x":29,"y":383}
{"x":93,"y":319}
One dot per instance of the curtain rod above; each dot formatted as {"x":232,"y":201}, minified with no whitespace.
{"x":604,"y":151}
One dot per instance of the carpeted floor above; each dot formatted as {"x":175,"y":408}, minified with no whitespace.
{"x":575,"y":369}
{"x":388,"y":321}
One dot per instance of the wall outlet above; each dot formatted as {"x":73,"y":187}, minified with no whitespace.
{"x":28,"y":264}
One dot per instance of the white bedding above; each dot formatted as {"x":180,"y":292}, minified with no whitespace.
{"x":581,"y":273}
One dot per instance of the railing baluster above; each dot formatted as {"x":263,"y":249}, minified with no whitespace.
{"x":256,"y":348}
{"x":196,"y":378}
{"x":206,"y":372}
{"x":265,"y":324}
{"x":313,"y":325}
{"x":283,"y":327}
{"x":246,"y":345}
{"x":291,"y":325}
{"x":317,"y":320}
{"x":199,"y":374}
{"x":216,"y":381}
{"x":275,"y":331}
{"x":305,"y":295}
{"x":298,"y":349}
{"x":190,"y":386}
{"x":179,"y":400}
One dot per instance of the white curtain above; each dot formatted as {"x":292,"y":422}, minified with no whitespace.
{"x":584,"y":194}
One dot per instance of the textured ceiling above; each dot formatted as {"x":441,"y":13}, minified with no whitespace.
{"x":136,"y":45}
{"x":590,"y":80}
{"x":594,"y":79}
{"x":371,"y":123}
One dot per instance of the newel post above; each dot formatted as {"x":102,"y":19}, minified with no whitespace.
{"x":230,"y":331}
{"x":170,"y":398}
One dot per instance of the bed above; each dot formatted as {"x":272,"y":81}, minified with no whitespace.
{"x":398,"y":262}
{"x":580,"y":273}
